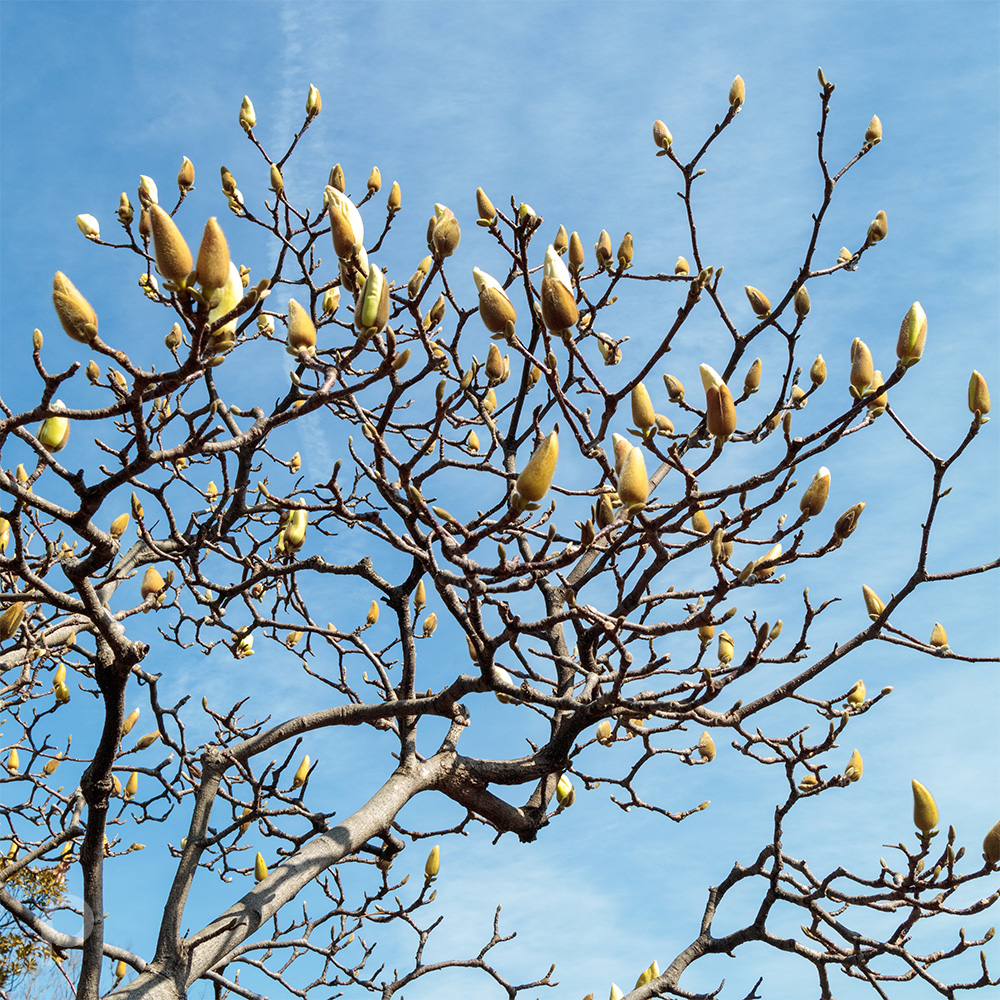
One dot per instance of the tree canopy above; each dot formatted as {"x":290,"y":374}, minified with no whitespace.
{"x":539,"y":559}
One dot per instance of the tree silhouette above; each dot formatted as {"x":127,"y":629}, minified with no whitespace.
{"x":596,"y":542}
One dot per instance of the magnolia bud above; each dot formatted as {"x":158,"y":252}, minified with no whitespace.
{"x":248,"y":117}
{"x":559,"y":309}
{"x":661,"y":135}
{"x":726,"y":648}
{"x":682,"y":266}
{"x":564,"y":791}
{"x":494,"y":365}
{"x":879,"y":228}
{"x":706,"y":746}
{"x":148,"y":194}
{"x":259,"y":868}
{"x":445,"y":232}
{"x":430,"y":624}
{"x":173,"y":256}
{"x":4,"y":534}
{"x":129,"y":721}
{"x":10,"y":620}
{"x":299,"y":779}
{"x":814,"y":499}
{"x":873,"y":134}
{"x":487,"y":213}
{"x":752,"y":380}
{"x":979,"y":397}
{"x":131,"y":786}
{"x":495,"y":308}
{"x":395,"y":199}
{"x":603,"y":732}
{"x":876,"y":405}
{"x":54,"y":431}
{"x":808,"y":781}
{"x":346,"y":226}
{"x":855,"y":767}
{"x":152,"y":583}
{"x":633,"y":481}
{"x":125,"y":211}
{"x":759,"y":302}
{"x":371,"y":314}
{"x":433,"y":864}
{"x":301,"y":330}
{"x":561,"y":242}
{"x":939,"y":637}
{"x":145,"y":742}
{"x":75,"y":313}
{"x":185,"y":176}
{"x":862,"y":368}
{"x":420,"y":596}
{"x":700,"y":522}
{"x":925,"y":811}
{"x":706,"y":634}
{"x":801,"y":302}
{"x":675,"y":390}
{"x":991,"y":845}
{"x":912,"y":334}
{"x":720,"y":412}
{"x":872,"y":603}
{"x":374,"y":183}
{"x":89,"y":226}
{"x":536,"y":477}
{"x":576,"y":257}
{"x":817,"y":374}
{"x":625,"y":251}
{"x":848,"y":521}
{"x":737,"y":93}
{"x":314,"y":102}
{"x":602,"y":248}
{"x":277,"y":181}
{"x":212,"y":269}
{"x":643,"y":415}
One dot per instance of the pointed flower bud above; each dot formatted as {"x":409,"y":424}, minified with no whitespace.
{"x":445,"y":232}
{"x":700,"y":522}
{"x":118,"y":525}
{"x":625,"y":251}
{"x":720,"y":411}
{"x":345,"y":222}
{"x":682,"y":266}
{"x":173,"y":256}
{"x":873,"y":133}
{"x":248,"y":117}
{"x":564,"y":791}
{"x":185,"y":176}
{"x":314,"y":102}
{"x":294,"y":535}
{"x":495,"y":309}
{"x":395,"y":199}
{"x":131,"y":786}
{"x":148,"y":194}
{"x":75,"y":313}
{"x":675,"y":390}
{"x":433,"y":863}
{"x":152,"y":583}
{"x":855,"y":767}
{"x":259,"y":868}
{"x":876,"y":405}
{"x":848,"y":521}
{"x":576,"y":257}
{"x":301,"y":773}
{"x":706,"y":746}
{"x":726,"y":648}
{"x":10,"y":620}
{"x":430,"y":624}
{"x":925,"y":811}
{"x":979,"y":396}
{"x":559,"y":309}
{"x":862,"y":368}
{"x":487,"y":213}
{"x":759,"y":302}
{"x":372,"y":617}
{"x":814,"y":499}
{"x":130,"y":720}
{"x":737,"y":93}
{"x":939,"y":637}
{"x":879,"y":228}
{"x":912,"y":334}
{"x":301,"y":330}
{"x":54,"y":431}
{"x":751,"y":383}
{"x":873,"y":603}
{"x":991,"y":845}
{"x":228,"y":298}
{"x":371,"y":314}
{"x":633,"y":481}
{"x":536,"y":477}
{"x":89,"y":226}
{"x":801,"y":302}
{"x":561,"y":242}
{"x":603,"y":732}
{"x":213,"y":256}
{"x":643,"y":414}
{"x":374,"y":183}
{"x":125,"y":212}
{"x":661,"y":135}
{"x":602,"y":248}
{"x":817,"y":374}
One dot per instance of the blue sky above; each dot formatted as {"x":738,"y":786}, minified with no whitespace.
{"x":553,"y":103}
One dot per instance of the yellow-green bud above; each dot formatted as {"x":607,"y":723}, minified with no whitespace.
{"x":817,"y":374}
{"x":706,"y":746}
{"x":625,"y":251}
{"x":726,"y":647}
{"x":430,"y":624}
{"x":979,"y":396}
{"x":75,"y":313}
{"x":495,"y":308}
{"x":879,"y":228}
{"x":372,"y":311}
{"x":912,"y":334}
{"x":643,"y":415}
{"x":873,"y":603}
{"x":148,"y":194}
{"x":299,"y":778}
{"x":752,"y":380}
{"x":661,"y":135}
{"x":991,"y":845}
{"x":876,"y":405}
{"x":10,"y":620}
{"x":213,"y":256}
{"x":603,"y":732}
{"x":314,"y":102}
{"x":939,"y":637}
{"x":801,"y":301}
{"x":374,"y":184}
{"x":576,"y":256}
{"x":395,"y":199}
{"x":173,"y":256}
{"x":633,"y":481}
{"x":700,"y":522}
{"x":759,"y":302}
{"x":536,"y":478}
{"x":737,"y":93}
{"x":54,"y":431}
{"x":445,"y":233}
{"x":675,"y":390}
{"x":602,"y":248}
{"x":89,"y":226}
{"x":814,"y":499}
{"x":372,"y":617}
{"x":682,"y":266}
{"x":564,"y":791}
{"x":561,"y":242}
{"x":862,"y":368}
{"x":925,"y":811}
{"x":487,"y":213}
{"x":125,"y":211}
{"x":185,"y":176}
{"x":259,"y":868}
{"x":873,"y":134}
{"x":331,"y":300}
{"x":152,"y":583}
{"x":346,"y":225}
{"x":559,"y":308}
{"x":433,"y":864}
{"x":301,"y":330}
{"x":248,"y":117}
{"x":855,"y":767}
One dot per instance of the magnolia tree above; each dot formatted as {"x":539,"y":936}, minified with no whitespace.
{"x":593,"y":532}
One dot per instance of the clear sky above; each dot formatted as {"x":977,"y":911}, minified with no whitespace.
{"x":553,"y":103}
